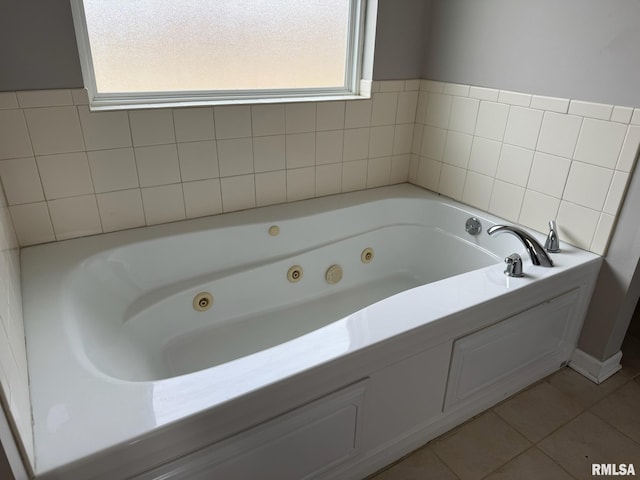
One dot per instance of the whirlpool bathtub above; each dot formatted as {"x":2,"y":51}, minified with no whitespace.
{"x":322,"y":338}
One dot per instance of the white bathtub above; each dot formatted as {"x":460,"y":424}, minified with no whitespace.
{"x":127,"y":378}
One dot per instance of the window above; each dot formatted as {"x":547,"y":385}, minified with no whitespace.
{"x":143,"y":52}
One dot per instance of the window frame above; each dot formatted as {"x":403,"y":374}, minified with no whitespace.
{"x":358,"y":73}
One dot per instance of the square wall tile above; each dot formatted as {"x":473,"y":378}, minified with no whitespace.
{"x":301,"y":183}
{"x":21,"y":180}
{"x":402,"y":139}
{"x":65,"y":175}
{"x":54,"y":130}
{"x":477,"y":190}
{"x":157,"y":165}
{"x":271,"y":188}
{"x":329,"y":146}
{"x":384,"y":108}
{"x":378,"y":172}
{"x":75,"y":217}
{"x":356,"y":144}
{"x":484,"y":156}
{"x":202,"y":198}
{"x":452,"y":181}
{"x":523,"y":127}
{"x":193,"y":124}
{"x":238,"y":193}
{"x":421,"y":108}
{"x":506,"y":200}
{"x":235,"y":157}
{"x":198,"y":160}
{"x":330,"y":115}
{"x":381,"y":141}
{"x":301,"y":117}
{"x":120,"y":210}
{"x":400,"y":168}
{"x":629,"y":151}
{"x":104,"y":130}
{"x":537,"y":210}
{"x":616,"y":193}
{"x":428,"y":174}
{"x":433,"y":142}
{"x":549,"y":174}
{"x":407,"y":104}
{"x":32,"y":223}
{"x":163,"y":204}
{"x":328,"y":179}
{"x":301,"y":150}
{"x":358,"y":113}
{"x":559,"y":134}
{"x":233,"y":121}
{"x":438,"y":110}
{"x":603,"y":233}
{"x":514,"y":165}
{"x":456,"y":89}
{"x":492,"y":120}
{"x":354,"y":175}
{"x":152,"y":127}
{"x":577,"y":224}
{"x":457,"y":149}
{"x":464,"y":113}
{"x":600,"y":142}
{"x":267,"y":120}
{"x":269,"y":153}
{"x":113,"y":169}
{"x":14,"y":136}
{"x":416,"y":141}
{"x":80,"y":96}
{"x":587,"y":185}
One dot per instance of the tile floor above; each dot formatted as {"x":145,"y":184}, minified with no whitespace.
{"x":554,"y":430}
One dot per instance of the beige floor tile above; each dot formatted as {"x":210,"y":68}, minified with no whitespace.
{"x":538,"y":411}
{"x":583,"y":390}
{"x":531,"y":465}
{"x":480,"y":446}
{"x":421,"y":464}
{"x":622,"y":410}
{"x":586,"y":440}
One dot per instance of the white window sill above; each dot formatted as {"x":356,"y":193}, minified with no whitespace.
{"x":165,"y":101}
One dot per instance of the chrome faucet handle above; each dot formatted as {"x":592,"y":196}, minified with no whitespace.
{"x":552,"y":244}
{"x":514,"y":266}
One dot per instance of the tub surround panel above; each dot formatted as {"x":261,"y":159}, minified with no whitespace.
{"x":528,"y":158}
{"x":52,"y":147}
{"x":14,"y":377}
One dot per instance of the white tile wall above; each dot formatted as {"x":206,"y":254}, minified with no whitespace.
{"x":531,"y":158}
{"x":14,"y":380}
{"x":498,"y":150}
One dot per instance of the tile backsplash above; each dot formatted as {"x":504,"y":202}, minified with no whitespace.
{"x":527,"y":158}
{"x":14,"y":378}
{"x":69,"y":172}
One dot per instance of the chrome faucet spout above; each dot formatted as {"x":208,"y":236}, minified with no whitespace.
{"x":534,"y":249}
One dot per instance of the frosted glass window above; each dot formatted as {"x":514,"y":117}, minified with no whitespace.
{"x":159,"y":47}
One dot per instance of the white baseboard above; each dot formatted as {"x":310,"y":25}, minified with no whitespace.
{"x":595,"y":370}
